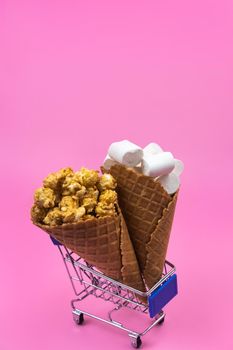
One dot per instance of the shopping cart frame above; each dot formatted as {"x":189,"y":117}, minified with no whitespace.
{"x":100,"y":286}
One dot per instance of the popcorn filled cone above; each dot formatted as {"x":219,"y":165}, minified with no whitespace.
{"x":103,"y":242}
{"x":148,"y":211}
{"x":80,"y":210}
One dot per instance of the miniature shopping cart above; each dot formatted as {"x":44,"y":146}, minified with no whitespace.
{"x":95,"y":283}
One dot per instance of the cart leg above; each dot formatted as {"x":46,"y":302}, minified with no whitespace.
{"x":78,"y":317}
{"x":135,"y":340}
{"x":161,"y":317}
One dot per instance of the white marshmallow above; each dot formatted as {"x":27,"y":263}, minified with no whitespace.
{"x":179,"y":167}
{"x":152,"y":148}
{"x":108,"y":162}
{"x":138,"y":168}
{"x":158,"y":164}
{"x":126,"y":153}
{"x":170,"y":182}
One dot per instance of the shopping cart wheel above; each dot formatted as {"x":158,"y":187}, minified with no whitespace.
{"x":136,"y":342}
{"x":78,"y":319}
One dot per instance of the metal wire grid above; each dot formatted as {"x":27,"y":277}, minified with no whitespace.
{"x":120,"y":295}
{"x":100,"y":286}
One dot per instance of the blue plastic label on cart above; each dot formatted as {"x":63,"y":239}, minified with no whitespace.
{"x":55,"y":242}
{"x":162,"y":295}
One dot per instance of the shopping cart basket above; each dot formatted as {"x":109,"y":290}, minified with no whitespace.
{"x":95,"y":283}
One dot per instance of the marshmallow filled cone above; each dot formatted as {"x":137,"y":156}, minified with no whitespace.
{"x":170,"y":182}
{"x":158,"y":164}
{"x":148,"y":211}
{"x":152,"y":148}
{"x":126,"y":152}
{"x":104,"y":243}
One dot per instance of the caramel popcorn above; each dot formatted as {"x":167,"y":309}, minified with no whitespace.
{"x":80,"y":193}
{"x":67,"y":197}
{"x":89,"y":204}
{"x":54,"y":180}
{"x":54,"y":217}
{"x":67,"y":202}
{"x":86,"y":177}
{"x":107,"y":182}
{"x":90,"y":199}
{"x":69,"y":216}
{"x":108,"y":197}
{"x":103,"y":209}
{"x":45,"y":197}
{"x":79,"y":212}
{"x":92,"y":192}
{"x":38,"y":214}
{"x":51,"y":181}
{"x":64,"y":172}
{"x":73,"y":215}
{"x":70,"y":186}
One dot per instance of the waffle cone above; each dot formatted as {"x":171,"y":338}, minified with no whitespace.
{"x":104,"y":243}
{"x":148,"y":211}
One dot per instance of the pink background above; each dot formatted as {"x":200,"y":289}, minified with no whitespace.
{"x":78,"y":75}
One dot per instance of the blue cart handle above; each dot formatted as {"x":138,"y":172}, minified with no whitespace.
{"x":55,"y":242}
{"x":162,"y":295}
